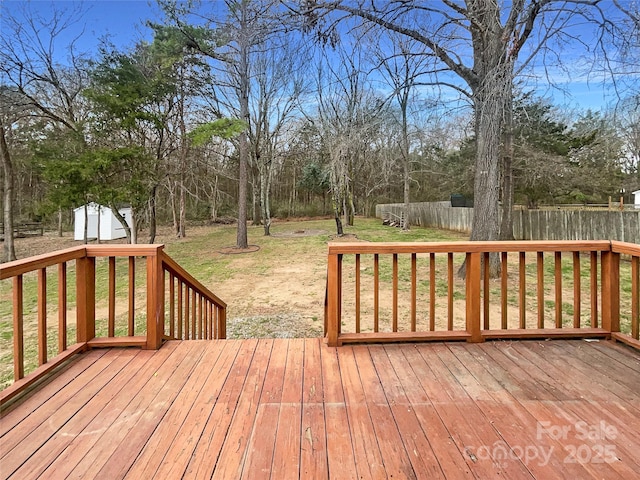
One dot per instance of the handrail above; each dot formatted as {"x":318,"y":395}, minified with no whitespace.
{"x":468,"y":247}
{"x":536,"y":296}
{"x":103,"y":276}
{"x":203,"y":315}
{"x":26,"y":265}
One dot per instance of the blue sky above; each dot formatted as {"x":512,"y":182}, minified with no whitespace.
{"x":122,"y":19}
{"x":123,"y":22}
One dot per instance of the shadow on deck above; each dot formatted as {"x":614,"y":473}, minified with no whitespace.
{"x":299,"y":409}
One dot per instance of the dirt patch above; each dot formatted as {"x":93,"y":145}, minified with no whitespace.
{"x":283,"y":325}
{"x":299,"y":233}
{"x":236,"y":250}
{"x":347,"y":237}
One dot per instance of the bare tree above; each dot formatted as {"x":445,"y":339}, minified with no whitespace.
{"x":628,"y":124}
{"x":279,"y":79}
{"x":228,"y":37}
{"x":402,"y":65}
{"x":39,"y":84}
{"x":30,"y":63}
{"x":478,"y":44}
{"x":348,"y":111}
{"x":8,"y":248}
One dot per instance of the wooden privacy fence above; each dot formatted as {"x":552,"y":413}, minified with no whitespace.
{"x":390,"y":292}
{"x":111,"y":305}
{"x":564,"y":223}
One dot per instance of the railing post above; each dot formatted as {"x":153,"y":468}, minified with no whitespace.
{"x":155,"y":300}
{"x":333,"y":299}
{"x":222,"y":323}
{"x":610,"y":291}
{"x":472,"y":280}
{"x":86,"y":298}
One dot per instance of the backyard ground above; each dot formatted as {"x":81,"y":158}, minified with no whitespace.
{"x":277,"y":290}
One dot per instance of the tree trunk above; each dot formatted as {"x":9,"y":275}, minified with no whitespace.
{"x":243,"y":147}
{"x":506,"y":225}
{"x":60,"y":221}
{"x":256,"y":200}
{"x":182,"y":210}
{"x":345,"y":210}
{"x":152,"y":214}
{"x":241,"y":237}
{"x":130,"y":232}
{"x":9,"y":251}
{"x":99,"y":224}
{"x":489,"y":106}
{"x":265,"y":185}
{"x":352,"y":210}
{"x":336,"y":214}
{"x":405,"y":163}
{"x":407,"y":201}
{"x":173,"y":187}
{"x":134,"y":227}
{"x":86,"y":223}
{"x":214,"y":201}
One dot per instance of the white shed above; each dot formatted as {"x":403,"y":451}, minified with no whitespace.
{"x":636,"y":198}
{"x":110,"y":226}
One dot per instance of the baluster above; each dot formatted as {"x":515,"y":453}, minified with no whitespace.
{"x":357,"y":293}
{"x":558,"y":288}
{"x":635,"y":297}
{"x":540,"y":287}
{"x":132,"y":295}
{"x":42,"y":316}
{"x":414,"y":282}
{"x":194,"y":308}
{"x":200,"y":318}
{"x":394,"y":326}
{"x":432,"y":291}
{"x":376,"y":292}
{"x":62,"y":307}
{"x":449,"y":291}
{"x":172,"y":305}
{"x":485,"y":290}
{"x":577,"y":301}
{"x":180,"y":308}
{"x":523,"y":289}
{"x":112,"y":296}
{"x":594,"y":289}
{"x":186,"y":311}
{"x":18,"y":327}
{"x":504,"y":279}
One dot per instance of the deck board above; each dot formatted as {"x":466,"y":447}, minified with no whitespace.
{"x":285,"y":409}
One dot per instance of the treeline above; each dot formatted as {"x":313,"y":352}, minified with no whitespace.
{"x":257,"y":112}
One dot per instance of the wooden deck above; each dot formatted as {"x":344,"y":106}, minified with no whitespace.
{"x":299,"y":409}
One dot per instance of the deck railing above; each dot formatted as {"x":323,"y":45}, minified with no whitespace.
{"x":626,"y":294}
{"x":114,"y":303}
{"x":390,"y":292}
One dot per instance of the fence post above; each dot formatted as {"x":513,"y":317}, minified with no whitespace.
{"x":334,"y":287}
{"x":155,"y":299}
{"x":472,"y":280}
{"x":610,"y":291}
{"x":86,"y":298}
